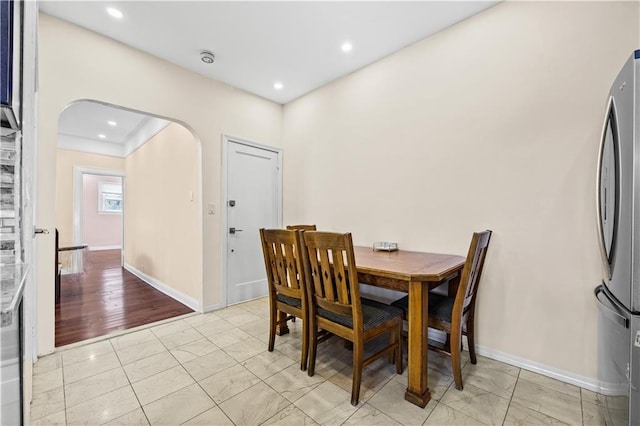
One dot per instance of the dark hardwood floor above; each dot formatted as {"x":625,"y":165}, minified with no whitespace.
{"x":106,"y":298}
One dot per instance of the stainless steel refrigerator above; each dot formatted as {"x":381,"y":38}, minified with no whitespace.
{"x":618,"y":199}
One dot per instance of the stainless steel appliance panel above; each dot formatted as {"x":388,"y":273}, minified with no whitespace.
{"x":634,"y":393}
{"x":635,"y":255}
{"x":621,"y":122}
{"x":614,"y":341}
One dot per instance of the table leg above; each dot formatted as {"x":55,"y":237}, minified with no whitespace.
{"x":283,"y":329}
{"x":417,"y":388}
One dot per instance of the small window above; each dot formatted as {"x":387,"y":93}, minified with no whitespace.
{"x":109,"y":198}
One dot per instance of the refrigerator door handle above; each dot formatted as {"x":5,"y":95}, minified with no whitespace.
{"x":601,"y":239}
{"x":613,"y":314}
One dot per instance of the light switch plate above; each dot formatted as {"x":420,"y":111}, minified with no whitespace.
{"x":211,"y":208}
{"x":637,"y":341}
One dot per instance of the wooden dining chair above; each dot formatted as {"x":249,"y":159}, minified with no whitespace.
{"x":455,"y":315}
{"x":285,"y":278}
{"x":335,"y":304}
{"x":302,"y":227}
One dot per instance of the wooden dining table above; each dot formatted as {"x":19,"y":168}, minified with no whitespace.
{"x":415,"y":273}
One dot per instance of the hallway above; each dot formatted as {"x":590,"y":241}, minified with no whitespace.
{"x":107,"y":298}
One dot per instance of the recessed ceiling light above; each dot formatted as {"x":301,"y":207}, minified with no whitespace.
{"x":112,"y":123}
{"x":114,"y":12}
{"x":346,"y":47}
{"x":277,"y":85}
{"x":101,"y":136}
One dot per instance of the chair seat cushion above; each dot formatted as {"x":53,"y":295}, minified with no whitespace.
{"x":440,"y":307}
{"x":291,"y":301}
{"x":402,"y":304}
{"x":373,"y":314}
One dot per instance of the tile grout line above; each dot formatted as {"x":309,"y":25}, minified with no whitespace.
{"x":506,"y":413}
{"x":263,"y":380}
{"x":215,"y":404}
{"x":187,"y":371}
{"x":546,"y":387}
{"x":439,"y":401}
{"x":130,"y":384}
{"x":291,"y":404}
{"x":443,"y":403}
{"x":581,"y":407}
{"x":64,"y":392}
{"x":363,"y":402}
{"x":449,"y":387}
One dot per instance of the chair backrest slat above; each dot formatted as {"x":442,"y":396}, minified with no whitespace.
{"x":472,"y":270}
{"x":331,"y":272}
{"x":340,"y":277}
{"x":292,"y":270}
{"x":282,"y":256}
{"x":281,"y":273}
{"x":325,"y":276}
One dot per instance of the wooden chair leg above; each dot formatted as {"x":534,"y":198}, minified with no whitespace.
{"x":471,"y":339}
{"x":456,"y":336}
{"x":313,"y":346}
{"x":392,"y":339}
{"x":305,"y":345}
{"x":272,"y":327}
{"x":399,"y":349}
{"x":357,"y":372}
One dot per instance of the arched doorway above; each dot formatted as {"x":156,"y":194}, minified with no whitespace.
{"x":153,"y":271}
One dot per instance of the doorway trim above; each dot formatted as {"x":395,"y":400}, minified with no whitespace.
{"x":78,"y":172}
{"x":226,"y":140}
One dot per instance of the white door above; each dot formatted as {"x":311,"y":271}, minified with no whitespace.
{"x":253,"y":202}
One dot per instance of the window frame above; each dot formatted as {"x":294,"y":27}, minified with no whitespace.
{"x":107,"y":191}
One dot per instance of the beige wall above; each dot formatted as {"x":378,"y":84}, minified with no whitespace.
{"x":65,"y":162}
{"x":493,"y":123}
{"x":162,"y":211}
{"x":111,"y":72}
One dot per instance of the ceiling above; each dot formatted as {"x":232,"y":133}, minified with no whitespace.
{"x":92,"y":126}
{"x":259,"y":43}
{"x":87,"y":120}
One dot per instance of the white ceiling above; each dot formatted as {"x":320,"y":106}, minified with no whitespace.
{"x":81,"y":122}
{"x":259,"y":43}
{"x":86,"y":119}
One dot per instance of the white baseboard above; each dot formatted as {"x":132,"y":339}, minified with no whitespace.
{"x":99,"y":248}
{"x":545,"y":370}
{"x":169,"y":291}
{"x":212,"y":308}
{"x":536,"y":367}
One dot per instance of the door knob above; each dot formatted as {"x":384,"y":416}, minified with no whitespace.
{"x":234,"y":230}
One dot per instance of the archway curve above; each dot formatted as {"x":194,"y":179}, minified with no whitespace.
{"x":196,"y":302}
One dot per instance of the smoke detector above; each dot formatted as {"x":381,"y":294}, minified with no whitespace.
{"x":207,"y":57}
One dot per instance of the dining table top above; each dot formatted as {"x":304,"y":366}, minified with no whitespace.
{"x":407,"y":265}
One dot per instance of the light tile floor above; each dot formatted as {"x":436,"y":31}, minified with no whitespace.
{"x":214,"y":369}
